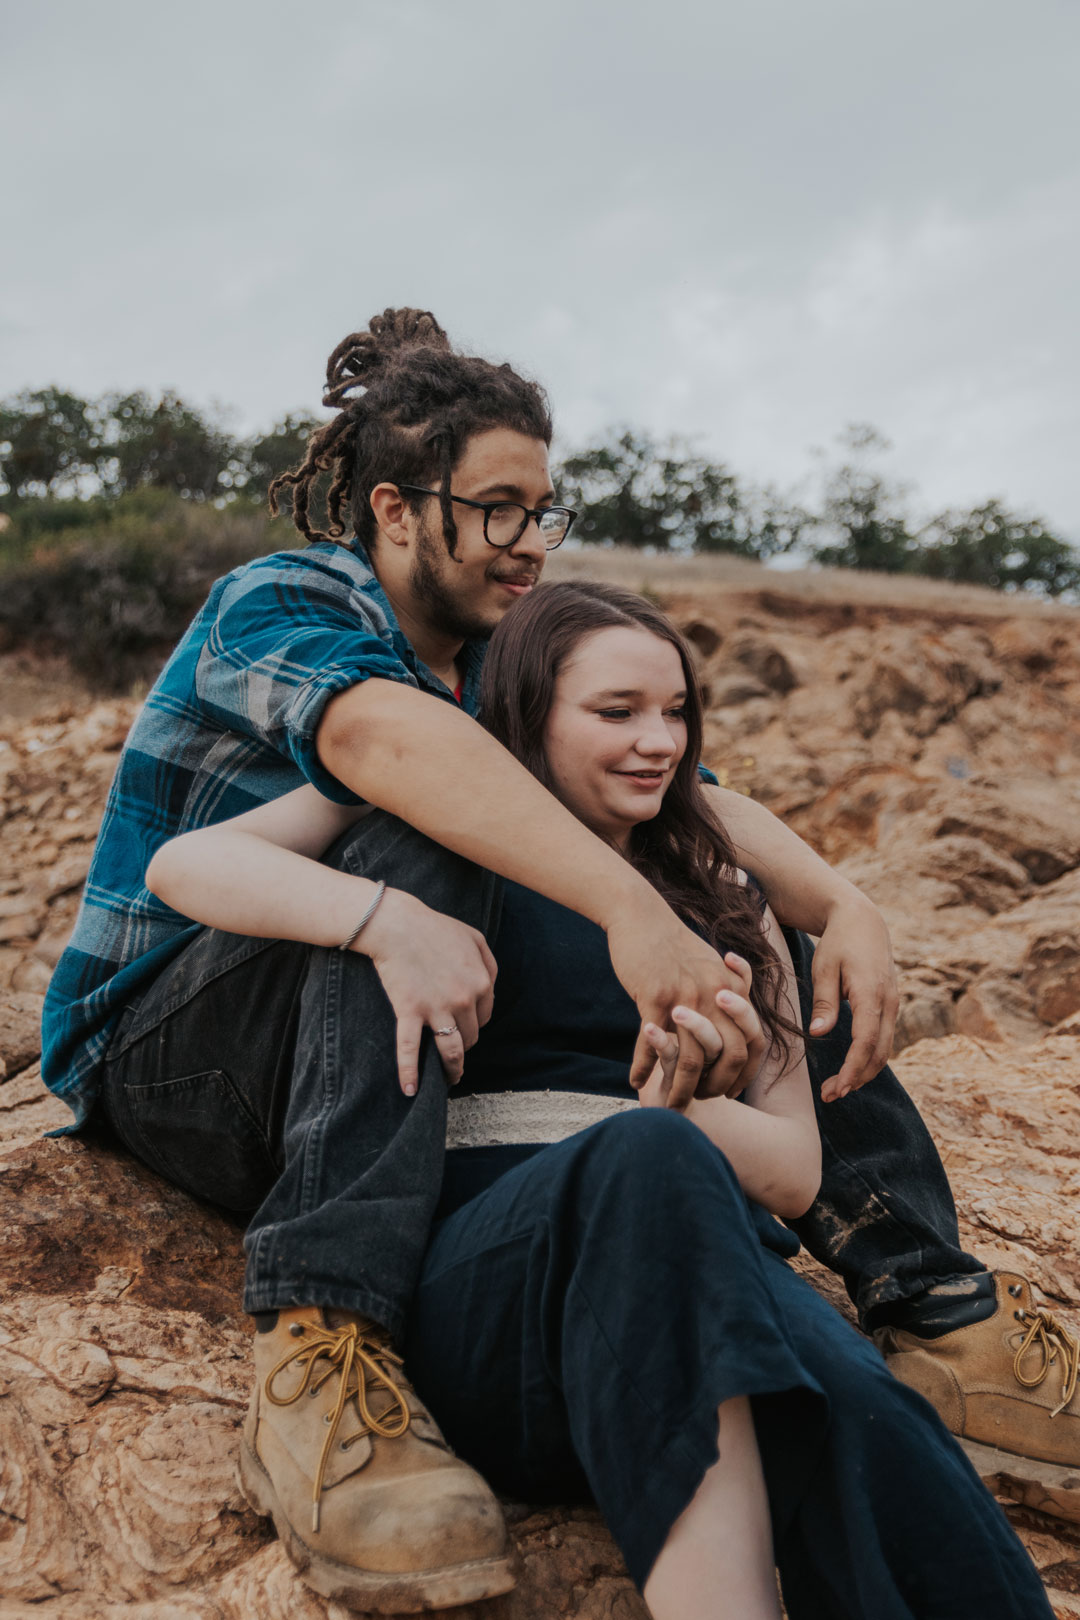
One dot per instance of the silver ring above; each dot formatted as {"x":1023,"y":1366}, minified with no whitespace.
{"x":451,"y":1031}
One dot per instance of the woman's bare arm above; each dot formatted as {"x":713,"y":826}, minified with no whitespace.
{"x":773,"y":1145}
{"x":259,"y":872}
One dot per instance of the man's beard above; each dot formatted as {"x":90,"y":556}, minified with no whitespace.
{"x":445,"y":613}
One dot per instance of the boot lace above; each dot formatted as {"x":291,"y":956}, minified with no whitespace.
{"x":359,"y":1361}
{"x":1046,"y":1335}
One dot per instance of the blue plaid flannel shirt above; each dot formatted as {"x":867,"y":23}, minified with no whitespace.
{"x":230,"y":723}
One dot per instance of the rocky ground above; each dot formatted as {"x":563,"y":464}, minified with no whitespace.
{"x":928,"y":745}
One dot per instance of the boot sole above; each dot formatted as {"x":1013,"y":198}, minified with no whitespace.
{"x":1050,"y":1487}
{"x":399,"y":1593}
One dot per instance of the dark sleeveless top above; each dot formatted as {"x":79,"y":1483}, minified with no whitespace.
{"x":561,"y":1023}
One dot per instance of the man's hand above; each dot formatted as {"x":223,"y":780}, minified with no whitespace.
{"x":438,"y":973}
{"x":663,"y":964}
{"x":854,"y":962}
{"x":854,"y":959}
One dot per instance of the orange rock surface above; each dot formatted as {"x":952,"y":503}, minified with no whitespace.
{"x":930,"y":749}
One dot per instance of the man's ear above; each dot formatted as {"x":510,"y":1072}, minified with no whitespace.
{"x":393,"y":518}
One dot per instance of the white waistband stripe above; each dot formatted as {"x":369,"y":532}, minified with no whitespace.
{"x":500,"y":1118}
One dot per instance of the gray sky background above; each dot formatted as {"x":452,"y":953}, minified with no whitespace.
{"x":750,"y":223}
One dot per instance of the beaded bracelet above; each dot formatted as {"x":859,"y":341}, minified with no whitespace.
{"x":380,"y":890}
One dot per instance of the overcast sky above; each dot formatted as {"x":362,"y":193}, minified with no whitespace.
{"x":751,"y":223}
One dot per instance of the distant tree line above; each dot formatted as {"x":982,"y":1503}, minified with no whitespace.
{"x":69,"y":463}
{"x":633,"y":491}
{"x":55,"y":446}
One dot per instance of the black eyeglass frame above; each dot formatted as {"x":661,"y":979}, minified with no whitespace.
{"x":487,"y":507}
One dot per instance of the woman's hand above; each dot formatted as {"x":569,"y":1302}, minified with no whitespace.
{"x":657,"y":1090}
{"x":438,"y":973}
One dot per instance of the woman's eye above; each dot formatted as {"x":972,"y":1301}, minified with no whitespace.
{"x":677,"y":714}
{"x":613,"y":714}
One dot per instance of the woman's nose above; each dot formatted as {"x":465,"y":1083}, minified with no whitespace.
{"x":655,"y":739}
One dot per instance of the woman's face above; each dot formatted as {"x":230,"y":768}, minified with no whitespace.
{"x":617,"y":728}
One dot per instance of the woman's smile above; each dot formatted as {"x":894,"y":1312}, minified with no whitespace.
{"x":642,"y":778}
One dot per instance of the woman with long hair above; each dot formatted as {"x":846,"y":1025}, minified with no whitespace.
{"x":606,"y":1307}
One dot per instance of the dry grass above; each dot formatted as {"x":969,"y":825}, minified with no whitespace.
{"x":691,"y":575}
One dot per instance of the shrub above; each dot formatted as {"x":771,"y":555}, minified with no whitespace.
{"x":114,"y":593}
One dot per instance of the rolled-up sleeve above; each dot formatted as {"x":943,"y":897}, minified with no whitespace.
{"x":280,"y":648}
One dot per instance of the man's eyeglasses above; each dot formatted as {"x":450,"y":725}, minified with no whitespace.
{"x":505,"y":521}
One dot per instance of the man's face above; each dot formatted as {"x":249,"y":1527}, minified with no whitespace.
{"x":467,"y":595}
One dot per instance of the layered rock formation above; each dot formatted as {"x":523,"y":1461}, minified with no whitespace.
{"x":933,"y":754}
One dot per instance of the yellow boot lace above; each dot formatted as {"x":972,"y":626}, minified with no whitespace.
{"x":358,"y":1359}
{"x":1046,"y":1334}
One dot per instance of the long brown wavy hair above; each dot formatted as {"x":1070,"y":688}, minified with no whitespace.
{"x":683,"y":851}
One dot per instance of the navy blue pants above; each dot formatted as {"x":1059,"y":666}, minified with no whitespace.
{"x":577,"y":1324}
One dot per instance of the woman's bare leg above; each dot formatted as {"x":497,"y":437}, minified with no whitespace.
{"x":717,"y":1562}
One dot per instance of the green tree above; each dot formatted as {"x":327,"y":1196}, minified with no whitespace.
{"x":167,"y":444}
{"x":53,"y":444}
{"x":50,"y":440}
{"x":632,"y":491}
{"x":861,"y":512}
{"x":278,"y":451}
{"x":992,"y":546}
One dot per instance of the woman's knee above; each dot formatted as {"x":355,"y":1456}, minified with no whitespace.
{"x":660,"y":1152}
{"x":652,"y":1131}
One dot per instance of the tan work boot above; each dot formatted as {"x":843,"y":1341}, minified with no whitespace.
{"x":370,"y":1502}
{"x":1009,"y":1381}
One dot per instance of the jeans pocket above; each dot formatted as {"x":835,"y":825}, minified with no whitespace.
{"x":197,"y":1131}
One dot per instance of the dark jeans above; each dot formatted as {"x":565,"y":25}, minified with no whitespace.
{"x":884,"y":1218}
{"x":574,"y":1336}
{"x":261,"y":1075}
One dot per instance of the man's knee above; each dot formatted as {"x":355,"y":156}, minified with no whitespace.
{"x":379,"y":836}
{"x":384,"y":846}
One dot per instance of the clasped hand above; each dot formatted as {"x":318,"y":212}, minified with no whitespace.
{"x":664,"y":965}
{"x":736,"y":1008}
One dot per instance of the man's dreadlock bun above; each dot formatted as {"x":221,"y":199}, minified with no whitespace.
{"x":362,"y":355}
{"x":417,"y":402}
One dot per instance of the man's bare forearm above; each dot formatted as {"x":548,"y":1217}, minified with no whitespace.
{"x":429,"y":763}
{"x":802,"y":889}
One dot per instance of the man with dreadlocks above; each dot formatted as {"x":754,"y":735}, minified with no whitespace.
{"x":261,"y":1073}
